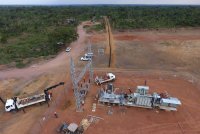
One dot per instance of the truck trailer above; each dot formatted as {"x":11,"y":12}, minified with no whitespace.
{"x":17,"y":103}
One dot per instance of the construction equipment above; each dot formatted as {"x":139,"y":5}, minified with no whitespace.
{"x":71,"y":128}
{"x":88,"y":56}
{"x":16,"y":103}
{"x":140,"y":98}
{"x":107,"y":78}
{"x":62,"y":128}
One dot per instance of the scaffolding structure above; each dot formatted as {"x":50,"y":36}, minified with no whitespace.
{"x":77,"y":79}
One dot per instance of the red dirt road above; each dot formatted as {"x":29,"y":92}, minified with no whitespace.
{"x":55,"y":70}
{"x":60,"y":60}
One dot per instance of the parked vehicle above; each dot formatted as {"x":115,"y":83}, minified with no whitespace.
{"x":68,"y":49}
{"x":16,"y":103}
{"x":107,"y":78}
{"x":87,"y":57}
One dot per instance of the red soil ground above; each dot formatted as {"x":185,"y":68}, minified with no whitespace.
{"x":40,"y":119}
{"x":137,"y":120}
{"x":158,"y":37}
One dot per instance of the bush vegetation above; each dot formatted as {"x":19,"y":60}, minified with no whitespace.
{"x":27,"y":32}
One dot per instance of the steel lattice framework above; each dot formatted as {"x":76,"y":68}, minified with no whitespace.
{"x":76,"y":80}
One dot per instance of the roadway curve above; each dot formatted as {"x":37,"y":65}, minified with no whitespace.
{"x":60,"y":60}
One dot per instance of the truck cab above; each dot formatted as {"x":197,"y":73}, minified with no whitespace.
{"x":107,"y":78}
{"x":10,"y":105}
{"x":87,"y":57}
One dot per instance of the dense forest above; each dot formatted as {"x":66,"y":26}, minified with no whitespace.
{"x":155,"y":17}
{"x":27,"y":32}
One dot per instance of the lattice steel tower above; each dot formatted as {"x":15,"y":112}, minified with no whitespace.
{"x":77,"y":79}
{"x":75,"y":85}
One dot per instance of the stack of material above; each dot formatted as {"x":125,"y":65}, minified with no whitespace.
{"x":85,"y":123}
{"x":94,"y":119}
{"x":94,"y":107}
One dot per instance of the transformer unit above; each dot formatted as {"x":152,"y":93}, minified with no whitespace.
{"x":140,"y":98}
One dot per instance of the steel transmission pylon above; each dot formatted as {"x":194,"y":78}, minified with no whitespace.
{"x":75,"y":85}
{"x":77,"y":79}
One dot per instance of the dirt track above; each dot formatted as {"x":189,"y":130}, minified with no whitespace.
{"x":28,"y":81}
{"x":38,"y":69}
{"x":111,"y":49}
{"x":168,"y":61}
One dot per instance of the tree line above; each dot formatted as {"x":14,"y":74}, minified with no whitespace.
{"x":27,"y":32}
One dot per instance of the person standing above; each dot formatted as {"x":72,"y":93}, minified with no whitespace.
{"x":55,"y":114}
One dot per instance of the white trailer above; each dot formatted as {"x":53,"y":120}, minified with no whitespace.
{"x":107,"y":78}
{"x":17,"y":103}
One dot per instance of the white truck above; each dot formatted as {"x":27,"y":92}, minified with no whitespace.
{"x":16,"y":103}
{"x":68,"y":49}
{"x":107,"y":78}
{"x":87,"y":57}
